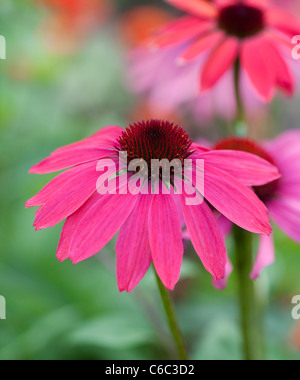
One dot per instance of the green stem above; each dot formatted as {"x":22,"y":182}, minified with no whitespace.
{"x":251,"y":325}
{"x":240,"y":126}
{"x":247,"y":303}
{"x":172,"y":321}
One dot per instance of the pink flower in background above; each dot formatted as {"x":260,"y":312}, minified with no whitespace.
{"x":282,"y":197}
{"x":197,"y":52}
{"x":168,"y":86}
{"x":150,"y":224}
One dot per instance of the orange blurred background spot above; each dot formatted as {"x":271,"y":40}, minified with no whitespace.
{"x":70,"y":21}
{"x":139,"y":23}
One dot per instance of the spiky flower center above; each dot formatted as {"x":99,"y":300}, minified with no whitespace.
{"x":241,"y":20}
{"x":155,"y":140}
{"x":265,"y":192}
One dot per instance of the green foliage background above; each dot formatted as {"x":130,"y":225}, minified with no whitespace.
{"x":60,"y":311}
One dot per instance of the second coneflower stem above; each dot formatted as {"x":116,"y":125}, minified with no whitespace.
{"x":172,"y":320}
{"x":249,"y":315}
{"x":247,"y":302}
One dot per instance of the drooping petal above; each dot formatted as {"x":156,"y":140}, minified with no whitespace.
{"x":222,"y":284}
{"x":283,"y":76}
{"x":69,"y":197}
{"x":133,"y":249}
{"x":286,"y":214}
{"x":249,"y":169}
{"x":288,"y":146}
{"x":165,"y":238}
{"x":256,"y":3}
{"x":67,"y":177}
{"x":105,"y":138}
{"x":265,"y":256}
{"x":225,"y":225}
{"x":62,"y":159}
{"x":206,"y":237}
{"x":203,"y":44}
{"x":220,"y":61}
{"x":283,"y":21}
{"x":180,"y":31}
{"x":199,"y":8}
{"x":236,"y":201}
{"x":257,"y":65}
{"x":52,"y":187}
{"x":70,"y":225}
{"x":99,"y":224}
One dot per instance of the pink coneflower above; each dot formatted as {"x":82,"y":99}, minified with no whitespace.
{"x":168,"y":87}
{"x":280,"y":196}
{"x":197,"y":53}
{"x":150,"y":224}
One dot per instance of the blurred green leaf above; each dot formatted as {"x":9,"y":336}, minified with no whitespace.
{"x":115,"y":332}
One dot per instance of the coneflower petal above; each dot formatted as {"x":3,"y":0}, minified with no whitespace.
{"x":133,"y":249}
{"x":165,"y":239}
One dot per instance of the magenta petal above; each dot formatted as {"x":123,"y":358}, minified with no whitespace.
{"x":52,"y":187}
{"x":199,"y":8}
{"x":236,"y":201}
{"x":133,"y":249}
{"x":222,"y":284}
{"x":265,"y":256}
{"x":206,"y":237}
{"x":249,"y":169}
{"x":283,"y":75}
{"x":99,"y":224}
{"x":180,"y":31}
{"x":225,"y":225}
{"x":65,"y":158}
{"x":105,"y":138}
{"x":283,"y":21}
{"x":165,"y":238}
{"x":69,"y":197}
{"x":220,"y":61}
{"x":69,"y":228}
{"x":204,"y":43}
{"x":286,"y":213}
{"x":255,"y":61}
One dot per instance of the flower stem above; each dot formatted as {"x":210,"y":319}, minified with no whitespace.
{"x":250,"y":317}
{"x":172,"y":320}
{"x":247,"y":303}
{"x":240,"y":126}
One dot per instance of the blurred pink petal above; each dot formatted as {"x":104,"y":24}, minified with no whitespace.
{"x":222,"y":284}
{"x":220,"y":61}
{"x":190,"y":58}
{"x":265,"y":256}
{"x":199,"y":8}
